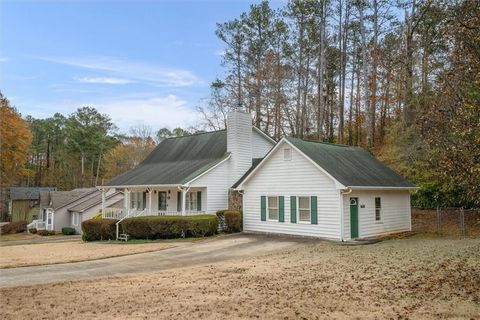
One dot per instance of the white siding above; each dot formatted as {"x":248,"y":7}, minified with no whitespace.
{"x":217,"y":182}
{"x":260,"y":144}
{"x":395,"y":212}
{"x":296,"y":177}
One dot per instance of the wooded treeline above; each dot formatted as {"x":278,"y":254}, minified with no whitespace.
{"x":400,"y":78}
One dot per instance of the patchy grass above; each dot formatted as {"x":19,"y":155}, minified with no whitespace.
{"x":417,"y":278}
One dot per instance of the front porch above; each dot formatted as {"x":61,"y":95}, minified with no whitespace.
{"x":158,"y":201}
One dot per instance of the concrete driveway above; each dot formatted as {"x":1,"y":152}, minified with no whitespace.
{"x":185,"y":255}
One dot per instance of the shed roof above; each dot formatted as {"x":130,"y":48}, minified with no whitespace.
{"x":351,"y":166}
{"x":58,"y":199}
{"x":177,"y":160}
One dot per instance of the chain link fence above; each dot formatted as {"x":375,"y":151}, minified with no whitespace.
{"x":447,"y":221}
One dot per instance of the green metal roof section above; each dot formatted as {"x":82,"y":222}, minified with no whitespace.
{"x":177,"y":160}
{"x":351,"y":166}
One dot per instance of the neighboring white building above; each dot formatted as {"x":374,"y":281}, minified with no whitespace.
{"x":324,"y":190}
{"x":59,"y":209}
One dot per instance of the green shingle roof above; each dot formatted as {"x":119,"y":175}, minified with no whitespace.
{"x":351,"y":166}
{"x":177,"y":160}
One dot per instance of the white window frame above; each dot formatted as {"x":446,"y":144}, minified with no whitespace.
{"x":309,"y":209}
{"x":75,"y":217}
{"x":268,"y":208}
{"x":192,"y":201}
{"x":287,"y":154}
{"x":379,"y":210}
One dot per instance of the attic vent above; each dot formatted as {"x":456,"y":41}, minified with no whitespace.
{"x":287,"y":154}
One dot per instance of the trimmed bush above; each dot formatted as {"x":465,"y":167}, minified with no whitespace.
{"x":46,"y":232}
{"x":99,"y":229}
{"x":233,"y":220}
{"x":14,"y":227}
{"x":68,"y":231}
{"x":32,"y":230}
{"x":170,"y":227}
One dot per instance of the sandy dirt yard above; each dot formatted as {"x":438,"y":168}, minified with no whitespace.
{"x":51,"y":253}
{"x":417,"y":278}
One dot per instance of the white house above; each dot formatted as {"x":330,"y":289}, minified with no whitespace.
{"x":192,"y":174}
{"x":59,"y":209}
{"x":316,"y":189}
{"x":292,"y":187}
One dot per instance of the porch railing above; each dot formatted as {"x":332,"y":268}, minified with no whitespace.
{"x":122,"y":213}
{"x":37,"y":224}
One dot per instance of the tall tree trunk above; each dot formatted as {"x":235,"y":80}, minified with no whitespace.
{"x":366,"y":93}
{"x":321,"y":72}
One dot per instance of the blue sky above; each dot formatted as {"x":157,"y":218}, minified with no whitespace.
{"x":148,"y":62}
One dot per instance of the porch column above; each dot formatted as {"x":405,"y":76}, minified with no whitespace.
{"x":184,"y":200}
{"x":150,"y":192}
{"x":126,"y":199}
{"x":103,"y":202}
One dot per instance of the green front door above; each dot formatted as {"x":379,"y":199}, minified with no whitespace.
{"x":162,"y":201}
{"x":354,"y":218}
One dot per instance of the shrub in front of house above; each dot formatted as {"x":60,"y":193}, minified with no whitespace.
{"x":170,"y":227}
{"x":221,"y":219}
{"x":99,"y":229}
{"x":68,"y":231}
{"x":233,"y":220}
{"x":32,"y":230}
{"x":46,"y":232}
{"x":14,"y":227}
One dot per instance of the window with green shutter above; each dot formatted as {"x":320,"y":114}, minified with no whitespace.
{"x":281,"y":209}
{"x":263,"y":208}
{"x":199,"y":200}
{"x":313,"y":200}
{"x":293,"y":209}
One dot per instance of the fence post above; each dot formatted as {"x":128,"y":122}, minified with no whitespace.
{"x":438,"y":220}
{"x":462,"y":221}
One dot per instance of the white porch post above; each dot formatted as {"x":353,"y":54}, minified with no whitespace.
{"x":103,"y":202}
{"x":150,"y":191}
{"x":126,"y":199}
{"x":184,"y":200}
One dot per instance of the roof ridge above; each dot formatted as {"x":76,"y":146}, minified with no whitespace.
{"x":327,"y":143}
{"x":195,"y":134}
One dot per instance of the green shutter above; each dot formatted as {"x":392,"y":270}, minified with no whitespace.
{"x":199,"y":200}
{"x":293,"y":209}
{"x":144,"y":200}
{"x":263,"y":208}
{"x":313,"y":210}
{"x":281,"y":209}
{"x":179,"y":201}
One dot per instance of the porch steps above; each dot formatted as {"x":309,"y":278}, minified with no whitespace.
{"x":123,"y":237}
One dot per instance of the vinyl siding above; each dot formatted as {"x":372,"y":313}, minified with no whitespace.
{"x":217,"y":185}
{"x":395,"y":214}
{"x":297,"y":177}
{"x":260,"y":144}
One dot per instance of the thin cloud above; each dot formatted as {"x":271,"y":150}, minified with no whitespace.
{"x":103,"y":80}
{"x":139,"y":71}
{"x":157,"y":112}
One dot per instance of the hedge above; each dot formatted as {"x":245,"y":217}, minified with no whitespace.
{"x":14,"y":227}
{"x":233,"y":220}
{"x":46,"y":232}
{"x":170,"y":226}
{"x":68,"y":231}
{"x":99,"y":229}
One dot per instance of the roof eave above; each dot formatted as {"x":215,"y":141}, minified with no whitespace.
{"x":382,"y":188}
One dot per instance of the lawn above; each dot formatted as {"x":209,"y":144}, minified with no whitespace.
{"x":72,"y":251}
{"x":418,"y":277}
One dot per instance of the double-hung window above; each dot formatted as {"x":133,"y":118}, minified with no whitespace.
{"x":192,"y":201}
{"x":273,"y":208}
{"x":378,"y":209}
{"x":304,"y":210}
{"x":75,"y":219}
